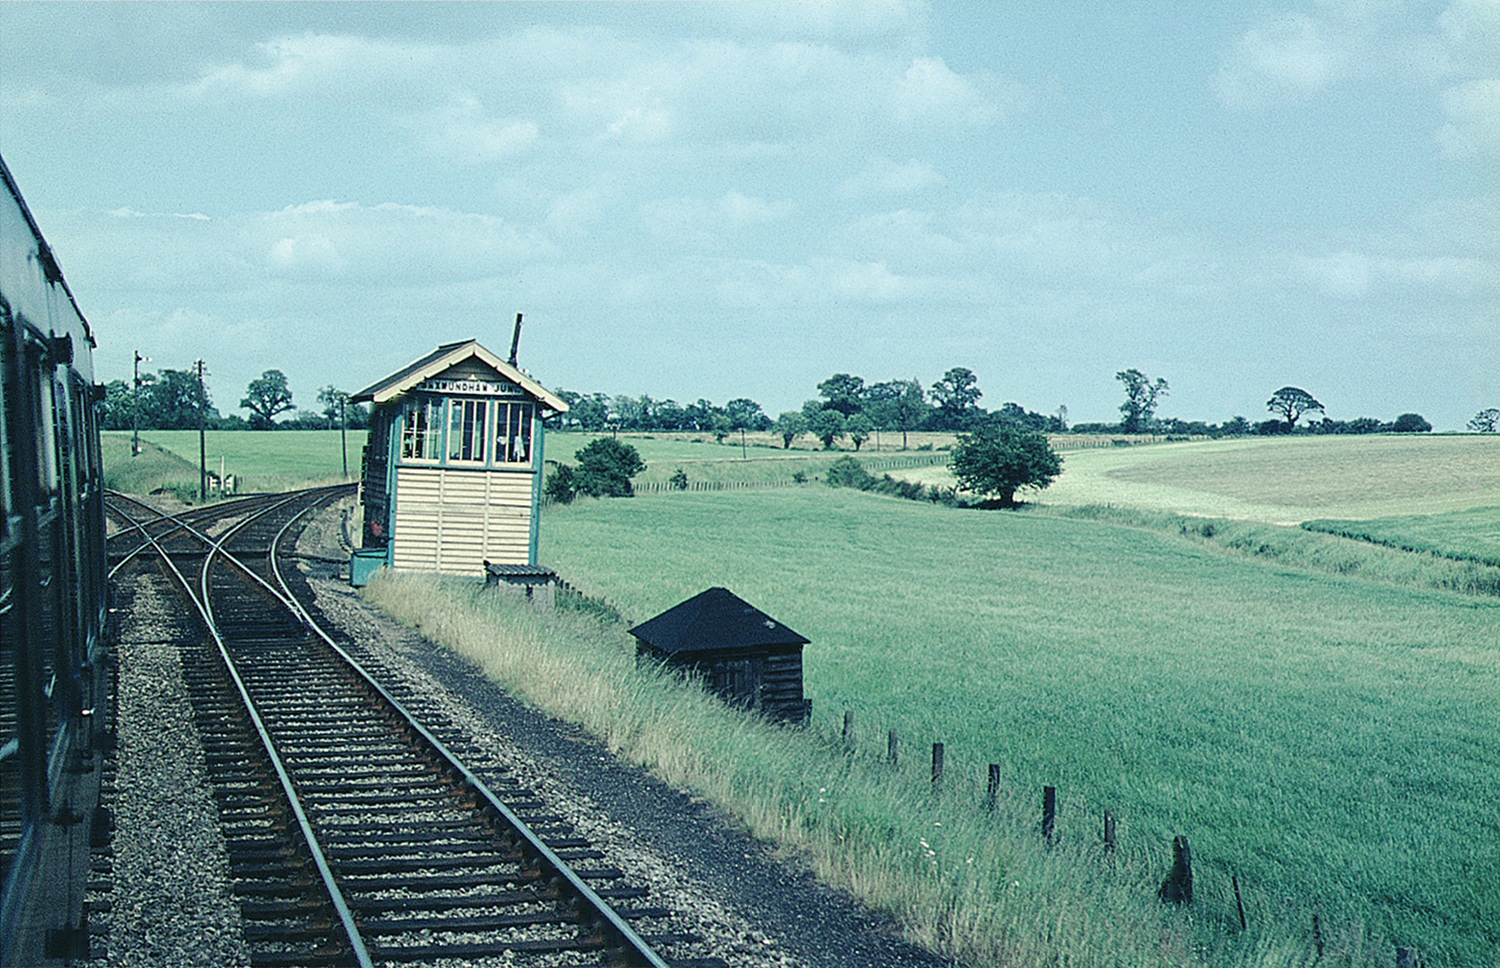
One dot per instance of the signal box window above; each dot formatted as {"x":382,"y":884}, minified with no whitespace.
{"x":467,"y":430}
{"x":422,"y":429}
{"x":513,"y":433}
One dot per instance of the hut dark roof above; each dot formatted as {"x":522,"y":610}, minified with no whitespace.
{"x":713,"y":621}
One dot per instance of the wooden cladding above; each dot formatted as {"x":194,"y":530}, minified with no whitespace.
{"x":452,"y":521}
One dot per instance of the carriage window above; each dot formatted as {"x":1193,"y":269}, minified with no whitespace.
{"x":466,"y":430}
{"x":422,"y":429}
{"x":513,"y":433}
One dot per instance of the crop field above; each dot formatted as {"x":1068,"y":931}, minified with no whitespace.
{"x":1327,"y":739}
{"x":1283,"y":480}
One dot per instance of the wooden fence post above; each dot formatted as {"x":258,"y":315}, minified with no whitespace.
{"x":992,"y":791}
{"x":848,"y":727}
{"x":890,"y":748}
{"x":1178,"y":887}
{"x":1318,"y":936}
{"x":937,"y":767}
{"x":1049,"y":812}
{"x":1109,"y":831}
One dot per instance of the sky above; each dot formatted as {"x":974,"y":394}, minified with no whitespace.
{"x":711,"y":200}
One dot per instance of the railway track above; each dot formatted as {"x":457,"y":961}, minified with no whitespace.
{"x":355,"y":834}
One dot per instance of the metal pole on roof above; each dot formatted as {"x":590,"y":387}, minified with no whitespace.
{"x":515,"y":340}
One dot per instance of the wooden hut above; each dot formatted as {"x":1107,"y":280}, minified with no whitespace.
{"x":740,"y":652}
{"x":452,"y":468}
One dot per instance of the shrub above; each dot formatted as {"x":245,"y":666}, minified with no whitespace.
{"x":561,"y":485}
{"x":605,"y":468}
{"x":848,"y":472}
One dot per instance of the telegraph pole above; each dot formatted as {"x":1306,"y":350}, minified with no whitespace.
{"x":344,"y":432}
{"x":202,"y":450}
{"x":135,"y":408}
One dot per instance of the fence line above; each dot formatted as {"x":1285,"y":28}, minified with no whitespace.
{"x":1177,"y":885}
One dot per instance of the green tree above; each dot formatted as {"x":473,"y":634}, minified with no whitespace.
{"x":173,"y":401}
{"x":1000,"y":459}
{"x":1485,"y":421}
{"x":790,"y":425}
{"x":827,"y":426}
{"x":957,"y":398}
{"x":746,"y":414}
{"x":1292,"y":403}
{"x":859,"y":428}
{"x":897,"y":405}
{"x":1141,"y":396}
{"x":844,"y":393}
{"x":265,"y":397}
{"x":118,"y":408}
{"x":1411,"y":423}
{"x":605,"y":467}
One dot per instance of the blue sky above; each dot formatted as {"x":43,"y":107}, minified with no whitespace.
{"x":741,"y":198}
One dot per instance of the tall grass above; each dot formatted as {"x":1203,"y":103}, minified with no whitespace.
{"x":968,"y":883}
{"x":1454,"y":558}
{"x":1471,"y":535}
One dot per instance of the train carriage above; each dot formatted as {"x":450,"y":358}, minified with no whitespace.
{"x":52,"y":596}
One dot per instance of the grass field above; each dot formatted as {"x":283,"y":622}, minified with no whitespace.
{"x":1328,"y":739}
{"x":260,"y":460}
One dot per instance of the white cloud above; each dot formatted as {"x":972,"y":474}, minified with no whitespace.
{"x":882,"y":176}
{"x":314,"y":63}
{"x":1286,"y":60}
{"x":1473,"y":113}
{"x":125,"y":212}
{"x":312,"y":254}
{"x":1470,"y":33}
{"x":464,"y":132}
{"x":930,"y":93}
{"x":1355,"y":275}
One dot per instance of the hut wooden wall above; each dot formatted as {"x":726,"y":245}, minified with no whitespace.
{"x":481,"y":515}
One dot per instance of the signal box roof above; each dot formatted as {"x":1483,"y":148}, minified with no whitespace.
{"x":445,"y":358}
{"x":716,"y":620}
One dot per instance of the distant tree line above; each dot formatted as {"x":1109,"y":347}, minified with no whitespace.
{"x":846,"y":408}
{"x":174,"y":400}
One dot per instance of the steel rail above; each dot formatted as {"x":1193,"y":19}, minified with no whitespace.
{"x":356,"y":942}
{"x":113,"y":501}
{"x":638,"y":946}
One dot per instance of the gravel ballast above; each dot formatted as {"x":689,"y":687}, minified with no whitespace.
{"x":171,"y":903}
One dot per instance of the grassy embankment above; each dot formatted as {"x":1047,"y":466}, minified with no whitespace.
{"x":1325,"y":737}
{"x":259,"y":460}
